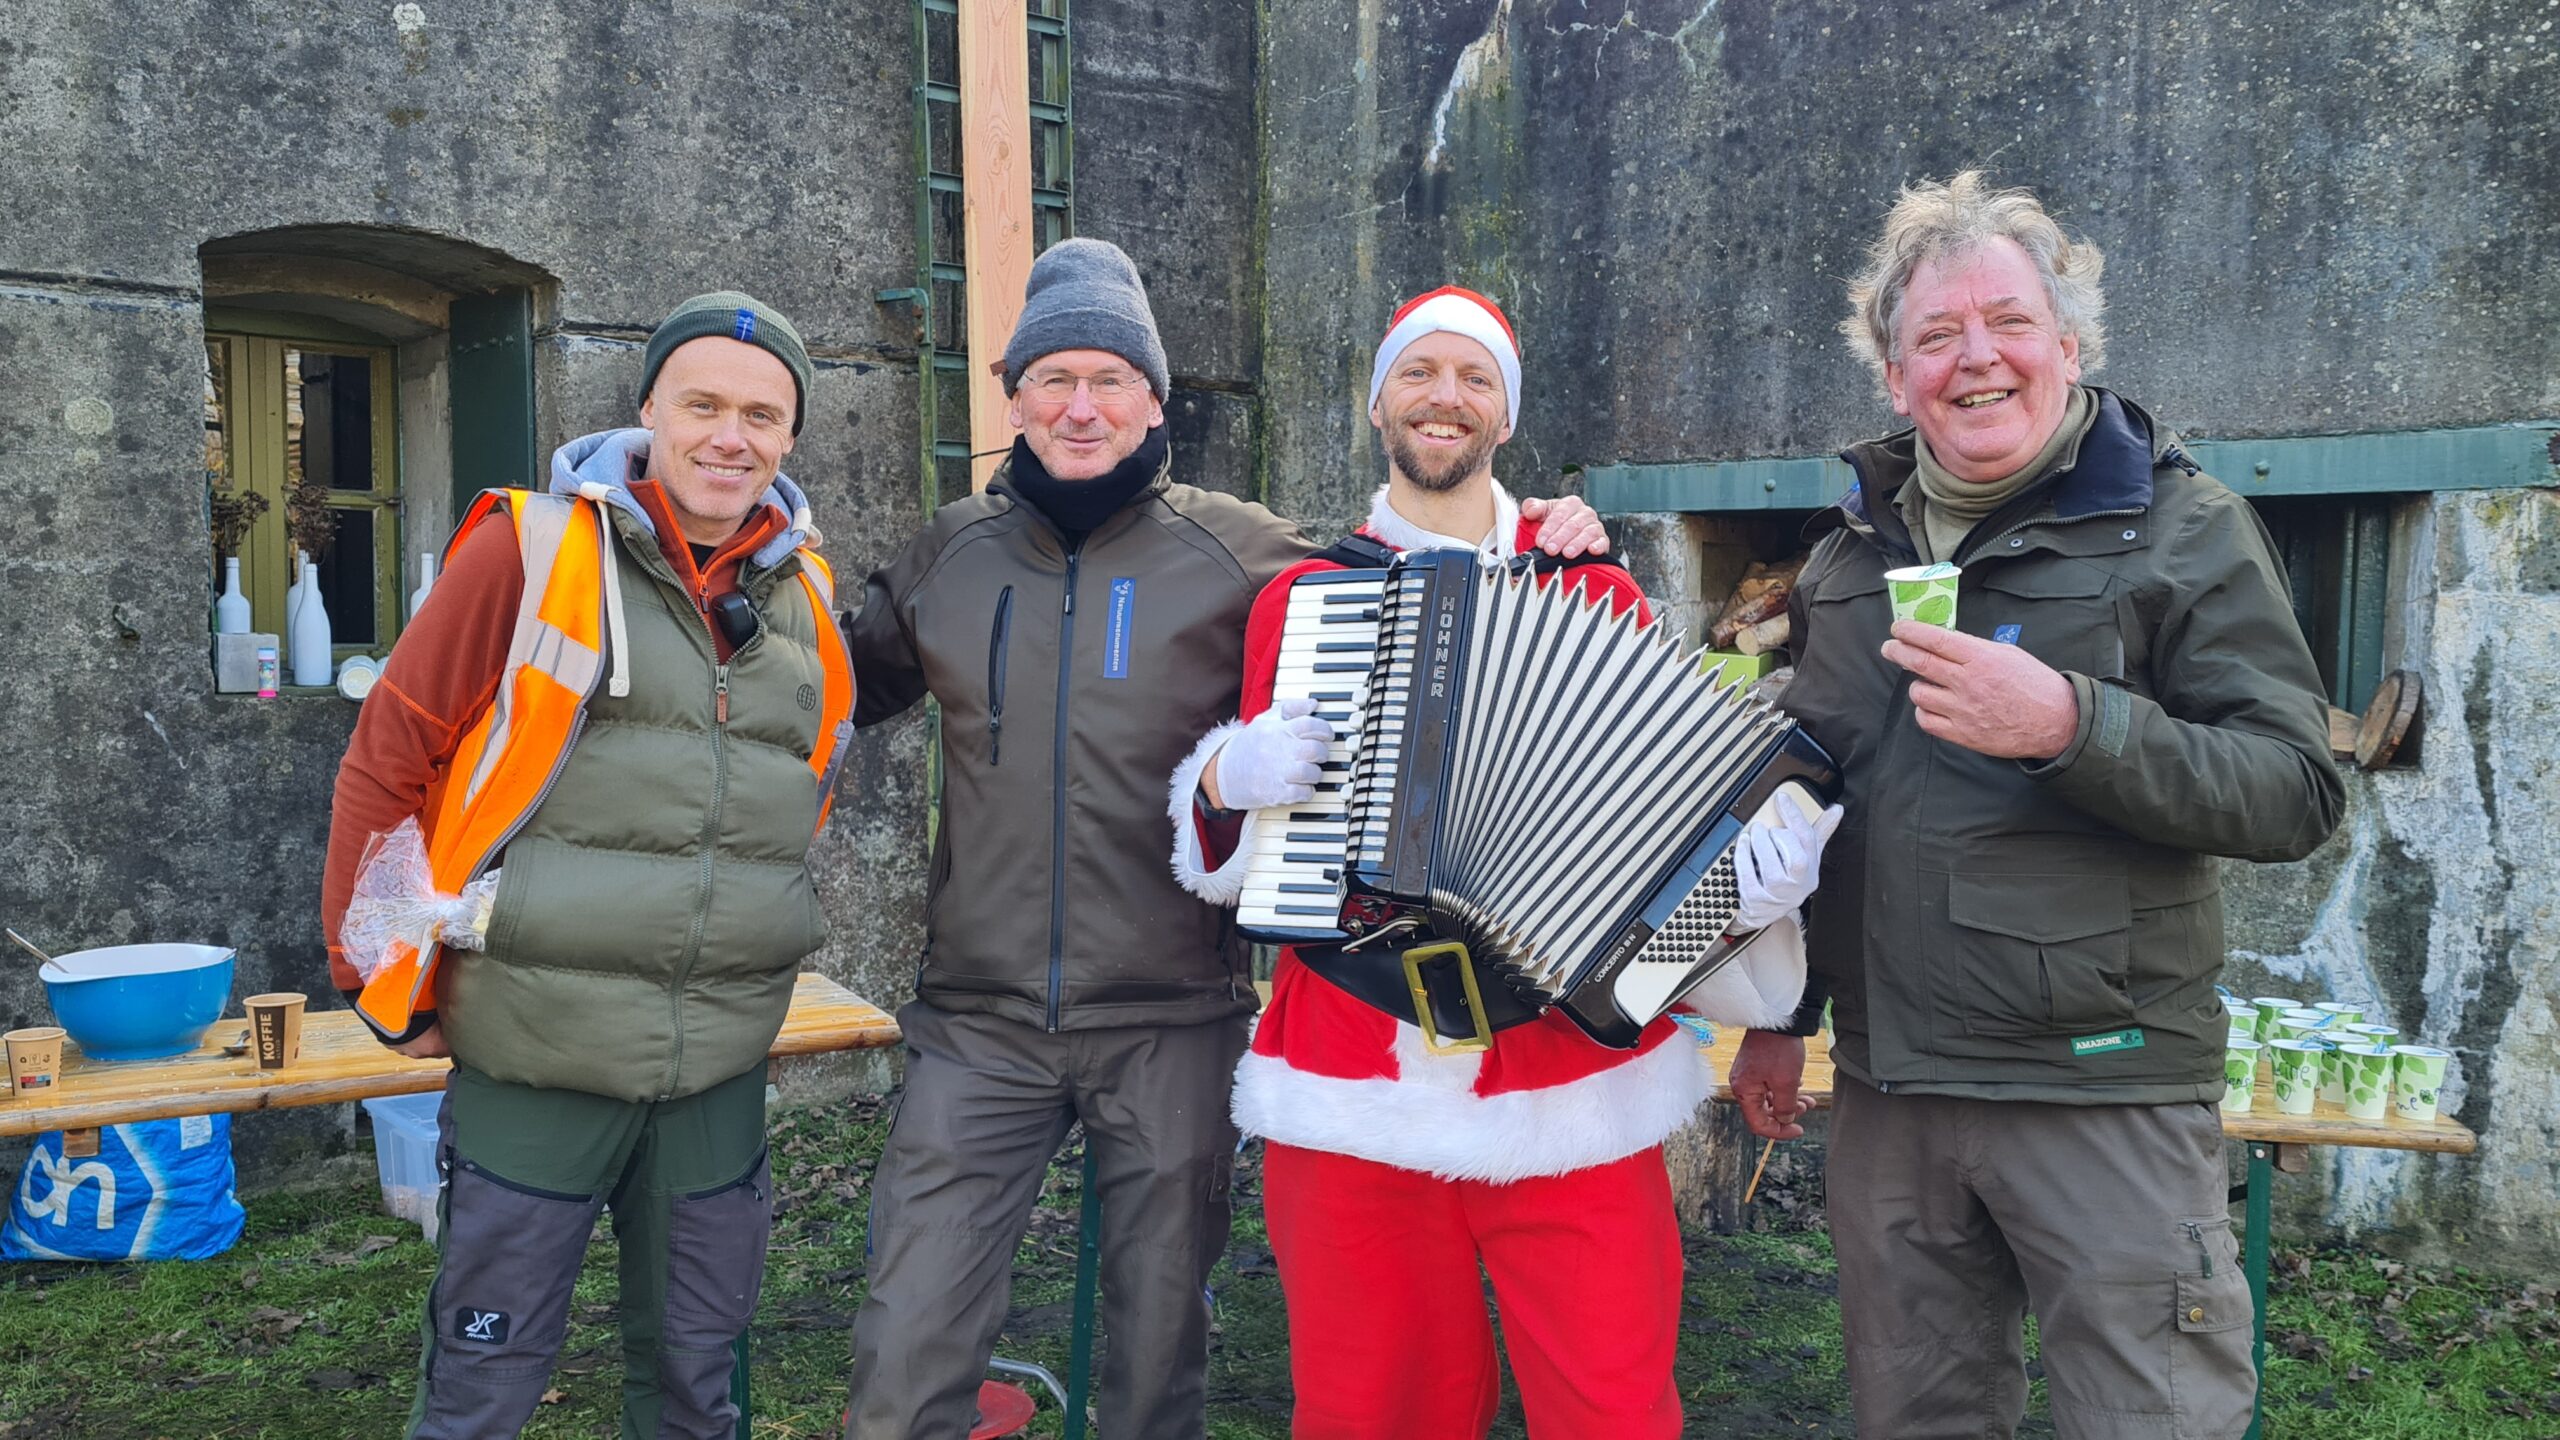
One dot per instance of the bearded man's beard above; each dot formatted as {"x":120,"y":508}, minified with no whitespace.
{"x":1437,"y":470}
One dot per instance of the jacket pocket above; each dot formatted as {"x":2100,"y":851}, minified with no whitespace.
{"x":2041,"y":954}
{"x":999,"y":636}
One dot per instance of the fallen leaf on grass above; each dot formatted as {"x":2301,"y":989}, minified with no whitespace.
{"x":374,"y":1245}
{"x":554,"y":1397}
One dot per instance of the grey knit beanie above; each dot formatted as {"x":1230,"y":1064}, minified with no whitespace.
{"x":731,"y":315}
{"x":1085,"y":295}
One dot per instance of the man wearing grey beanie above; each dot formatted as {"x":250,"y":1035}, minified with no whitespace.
{"x":1081,"y":622}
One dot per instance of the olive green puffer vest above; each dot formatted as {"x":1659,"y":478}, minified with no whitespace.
{"x":652,"y":915}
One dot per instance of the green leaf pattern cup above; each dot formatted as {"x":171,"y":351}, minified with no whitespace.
{"x":2268,"y":1007}
{"x":2239,"y":1076}
{"x":2297,"y":1078}
{"x":2417,"y":1080}
{"x":1926,"y":593}
{"x":2368,"y":1080}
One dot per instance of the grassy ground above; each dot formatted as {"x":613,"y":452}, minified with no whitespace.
{"x":308,"y":1328}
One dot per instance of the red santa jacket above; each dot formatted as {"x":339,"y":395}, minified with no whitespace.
{"x":1330,"y":1072}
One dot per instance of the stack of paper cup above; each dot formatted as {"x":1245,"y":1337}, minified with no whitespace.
{"x":2297,"y":1066}
{"x":2239,"y":1076}
{"x":2417,"y":1078}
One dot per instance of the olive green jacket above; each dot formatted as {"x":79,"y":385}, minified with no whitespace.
{"x":652,"y":914}
{"x":2052,"y":931}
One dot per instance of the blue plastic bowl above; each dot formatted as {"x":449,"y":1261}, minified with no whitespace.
{"x":139,"y":1002}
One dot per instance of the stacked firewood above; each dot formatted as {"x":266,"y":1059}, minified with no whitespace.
{"x":1754,"y":619}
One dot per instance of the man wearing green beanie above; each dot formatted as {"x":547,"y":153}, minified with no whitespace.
{"x":652,"y":905}
{"x":1081,"y":623}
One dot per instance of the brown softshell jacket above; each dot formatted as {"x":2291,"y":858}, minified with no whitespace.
{"x":1072,"y":683}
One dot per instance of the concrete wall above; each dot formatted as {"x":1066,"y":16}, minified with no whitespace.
{"x":2330,"y":227}
{"x":630,"y":154}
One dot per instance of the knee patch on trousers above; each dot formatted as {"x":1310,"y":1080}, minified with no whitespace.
{"x":500,"y":1302}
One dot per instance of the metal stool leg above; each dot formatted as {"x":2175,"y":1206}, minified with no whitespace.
{"x":1088,"y":1278}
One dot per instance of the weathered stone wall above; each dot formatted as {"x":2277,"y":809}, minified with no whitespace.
{"x":2311,"y":227}
{"x":633,"y":155}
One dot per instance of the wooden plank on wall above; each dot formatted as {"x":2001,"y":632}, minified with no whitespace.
{"x":995,"y":168}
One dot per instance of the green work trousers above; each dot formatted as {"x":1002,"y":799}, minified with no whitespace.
{"x":526,"y":1172}
{"x":1953,"y":1218}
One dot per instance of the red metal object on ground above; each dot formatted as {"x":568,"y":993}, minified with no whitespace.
{"x":1002,"y":1410}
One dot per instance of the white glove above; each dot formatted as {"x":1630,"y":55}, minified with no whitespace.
{"x":1776,"y":866}
{"x":1273,"y":760}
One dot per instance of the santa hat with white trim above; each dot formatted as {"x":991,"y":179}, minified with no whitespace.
{"x":1460,"y":312}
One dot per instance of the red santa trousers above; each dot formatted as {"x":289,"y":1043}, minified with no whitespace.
{"x":1388,"y":1334}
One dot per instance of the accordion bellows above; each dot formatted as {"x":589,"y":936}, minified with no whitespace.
{"x":1520,"y":769}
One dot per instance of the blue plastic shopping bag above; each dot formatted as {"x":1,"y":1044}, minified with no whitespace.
{"x":156,"y":1190}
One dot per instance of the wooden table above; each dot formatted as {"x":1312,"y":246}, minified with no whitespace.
{"x":2274,"y":1142}
{"x":341,"y":1061}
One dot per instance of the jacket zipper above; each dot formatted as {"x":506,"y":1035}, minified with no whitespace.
{"x":996,"y":639}
{"x":1058,"y":794}
{"x":710,"y":835}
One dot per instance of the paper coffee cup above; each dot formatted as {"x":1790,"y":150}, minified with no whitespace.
{"x":35,"y":1058}
{"x":2268,"y":1007}
{"x":2297,"y":1080}
{"x":2338,"y":1011}
{"x":2374,"y":1034}
{"x":2417,"y":1079}
{"x":2368,"y":1080}
{"x":1926,"y":593}
{"x":2333,"y":1067}
{"x":2239,"y":1076}
{"x":275,"y":1028}
{"x":2296,"y":1024}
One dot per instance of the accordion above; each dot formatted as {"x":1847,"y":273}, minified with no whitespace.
{"x":1520,"y":772}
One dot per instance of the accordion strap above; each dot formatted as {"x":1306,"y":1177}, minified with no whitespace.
{"x":1378,"y":977}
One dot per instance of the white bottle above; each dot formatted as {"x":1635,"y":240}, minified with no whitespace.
{"x":292,"y":614}
{"x":312,"y":664}
{"x":231,"y":612}
{"x":426,"y":580}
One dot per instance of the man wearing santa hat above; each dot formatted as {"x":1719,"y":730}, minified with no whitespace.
{"x":1392,"y":1172}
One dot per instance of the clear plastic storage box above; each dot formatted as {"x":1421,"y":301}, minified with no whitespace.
{"x":404,"y":1149}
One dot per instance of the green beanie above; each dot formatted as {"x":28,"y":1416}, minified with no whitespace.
{"x":731,"y":315}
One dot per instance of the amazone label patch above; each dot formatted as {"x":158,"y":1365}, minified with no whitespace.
{"x":2101,"y":1044}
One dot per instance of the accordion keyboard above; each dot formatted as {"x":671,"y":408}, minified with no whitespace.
{"x":1293,"y":866}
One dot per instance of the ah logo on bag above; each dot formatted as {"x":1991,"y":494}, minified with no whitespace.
{"x":490,"y":1327}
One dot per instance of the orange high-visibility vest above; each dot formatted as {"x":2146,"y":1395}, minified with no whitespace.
{"x":504,"y":765}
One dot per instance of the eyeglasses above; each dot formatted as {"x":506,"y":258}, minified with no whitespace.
{"x":1106,"y":390}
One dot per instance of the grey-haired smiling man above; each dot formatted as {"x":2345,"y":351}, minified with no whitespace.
{"x":1082,"y":624}
{"x":2019,"y":923}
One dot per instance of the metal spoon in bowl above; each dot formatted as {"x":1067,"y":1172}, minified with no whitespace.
{"x":29,"y":946}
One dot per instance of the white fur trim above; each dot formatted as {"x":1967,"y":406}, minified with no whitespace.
{"x":1224,"y":885}
{"x":1759,"y":988}
{"x":1390,"y":528}
{"x":1423,"y":1122}
{"x":1459,"y":316}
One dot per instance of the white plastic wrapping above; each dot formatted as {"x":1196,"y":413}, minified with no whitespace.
{"x":396,"y":904}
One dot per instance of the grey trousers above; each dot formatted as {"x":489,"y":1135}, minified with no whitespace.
{"x":1953,"y":1218}
{"x":985,"y":1104}
{"x":526,"y":1173}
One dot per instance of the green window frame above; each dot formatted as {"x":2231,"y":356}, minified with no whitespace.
{"x":259,"y":374}
{"x":2328,"y":500}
